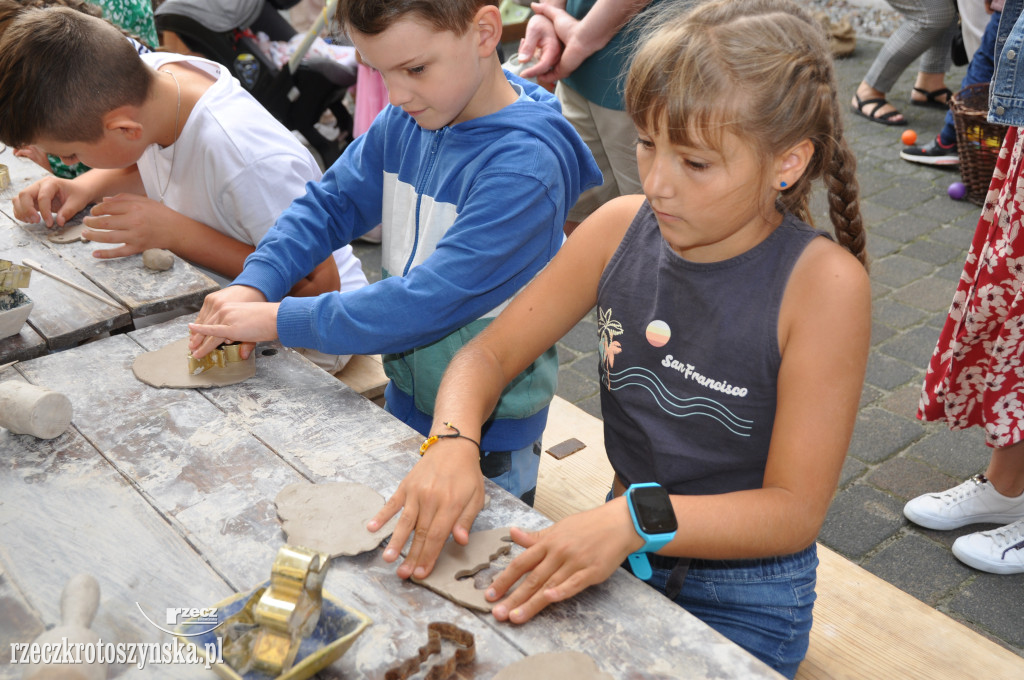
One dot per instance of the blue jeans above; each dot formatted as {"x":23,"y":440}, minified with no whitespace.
{"x":763,"y":605}
{"x":514,"y":471}
{"x":979,"y":70}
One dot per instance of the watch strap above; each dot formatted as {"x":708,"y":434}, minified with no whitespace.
{"x":641,"y":566}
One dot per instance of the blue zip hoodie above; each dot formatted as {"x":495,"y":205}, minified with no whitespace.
{"x":470,"y":214}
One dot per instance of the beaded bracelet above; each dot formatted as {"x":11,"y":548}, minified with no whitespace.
{"x":429,"y":441}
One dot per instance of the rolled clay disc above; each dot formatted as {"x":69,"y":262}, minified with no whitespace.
{"x":168,"y":367}
{"x":554,"y":666}
{"x":331,"y":517}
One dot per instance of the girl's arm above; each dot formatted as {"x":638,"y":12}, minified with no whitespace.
{"x":443,"y":493}
{"x":824,"y":333}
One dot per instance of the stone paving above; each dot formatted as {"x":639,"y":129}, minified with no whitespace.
{"x":918,"y":239}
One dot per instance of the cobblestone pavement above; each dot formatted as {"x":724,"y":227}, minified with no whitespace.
{"x":918,"y":239}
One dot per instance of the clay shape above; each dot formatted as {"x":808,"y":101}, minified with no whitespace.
{"x":72,"y":229}
{"x":455,"y":566}
{"x":78,"y":604}
{"x":331,"y":517}
{"x":34,"y":410}
{"x":157,"y":259}
{"x":554,"y":666}
{"x":168,"y":367}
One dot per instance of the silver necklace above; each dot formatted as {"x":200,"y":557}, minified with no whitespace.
{"x":174,"y":151}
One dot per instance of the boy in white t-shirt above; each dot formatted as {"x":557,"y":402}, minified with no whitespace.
{"x":183,"y":157}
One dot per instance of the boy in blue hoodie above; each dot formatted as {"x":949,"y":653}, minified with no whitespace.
{"x":472,"y":172}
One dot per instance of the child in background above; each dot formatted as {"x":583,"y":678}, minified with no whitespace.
{"x":471,"y":171}
{"x":733,"y":337}
{"x":183,"y":158}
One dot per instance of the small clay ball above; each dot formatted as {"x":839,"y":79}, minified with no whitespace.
{"x":158,"y":260}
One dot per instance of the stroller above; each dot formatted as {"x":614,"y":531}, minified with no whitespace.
{"x":297,"y":94}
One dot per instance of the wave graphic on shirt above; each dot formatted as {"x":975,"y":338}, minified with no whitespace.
{"x":678,"y":407}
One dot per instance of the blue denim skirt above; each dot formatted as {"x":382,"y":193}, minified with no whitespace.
{"x":763,"y":605}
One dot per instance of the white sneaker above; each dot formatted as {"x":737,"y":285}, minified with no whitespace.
{"x":974,"y":501}
{"x":999,"y":551}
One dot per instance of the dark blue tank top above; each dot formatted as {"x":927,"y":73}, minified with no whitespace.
{"x":689,"y":358}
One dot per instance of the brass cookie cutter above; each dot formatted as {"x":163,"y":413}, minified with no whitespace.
{"x":5,"y":177}
{"x":13,"y":276}
{"x":216,"y":359}
{"x":437,"y":632}
{"x":289,"y":608}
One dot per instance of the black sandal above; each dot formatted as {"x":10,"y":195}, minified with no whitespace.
{"x":879,"y":102}
{"x":931,"y":99}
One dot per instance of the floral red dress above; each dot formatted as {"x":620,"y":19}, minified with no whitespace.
{"x":976,"y":374}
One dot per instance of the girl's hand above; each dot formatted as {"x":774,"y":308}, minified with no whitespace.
{"x":440,"y":496}
{"x":562,"y":560}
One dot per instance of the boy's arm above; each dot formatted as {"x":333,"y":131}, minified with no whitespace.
{"x":491,"y":251}
{"x":508,"y":231}
{"x":329,"y":214}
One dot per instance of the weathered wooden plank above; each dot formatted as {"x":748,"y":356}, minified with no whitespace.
{"x":141,"y":290}
{"x":271,"y":406}
{"x":314,"y":422}
{"x":867,"y":628}
{"x":22,"y":346}
{"x":216,"y":483}
{"x":209,"y":477}
{"x":65,"y":511}
{"x":62,"y":315}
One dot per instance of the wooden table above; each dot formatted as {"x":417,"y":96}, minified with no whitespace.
{"x":167,"y":497}
{"x":62,"y":316}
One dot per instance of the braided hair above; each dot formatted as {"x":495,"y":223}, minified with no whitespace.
{"x":763,"y":71}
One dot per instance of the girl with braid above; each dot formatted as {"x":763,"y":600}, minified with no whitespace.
{"x":733,"y":336}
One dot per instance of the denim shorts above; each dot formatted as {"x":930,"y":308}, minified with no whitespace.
{"x":515,"y":471}
{"x":763,"y":605}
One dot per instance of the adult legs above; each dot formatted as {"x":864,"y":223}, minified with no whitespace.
{"x":927,"y":32}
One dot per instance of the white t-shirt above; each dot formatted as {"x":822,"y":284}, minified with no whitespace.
{"x":234,"y":167}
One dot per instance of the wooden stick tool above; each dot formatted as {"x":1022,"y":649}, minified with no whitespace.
{"x":31,"y":264}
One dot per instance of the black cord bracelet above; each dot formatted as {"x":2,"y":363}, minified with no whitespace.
{"x":429,"y":441}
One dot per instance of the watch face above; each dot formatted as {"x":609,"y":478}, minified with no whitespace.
{"x":653,"y":510}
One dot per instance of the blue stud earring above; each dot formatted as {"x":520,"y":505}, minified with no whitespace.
{"x":783,"y":185}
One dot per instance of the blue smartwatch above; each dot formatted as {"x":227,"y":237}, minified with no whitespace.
{"x":655,"y":521}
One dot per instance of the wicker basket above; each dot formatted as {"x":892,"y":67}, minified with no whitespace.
{"x":978,"y":141}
